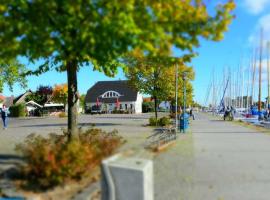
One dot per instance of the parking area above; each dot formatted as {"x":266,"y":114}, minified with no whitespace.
{"x":131,"y":126}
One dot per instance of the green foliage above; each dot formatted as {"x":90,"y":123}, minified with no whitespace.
{"x":18,"y":110}
{"x":41,"y":95}
{"x":163,"y":121}
{"x":70,"y":34}
{"x":10,"y":73}
{"x":120,"y":112}
{"x":82,"y":100}
{"x":52,"y":161}
{"x":153,"y":121}
{"x":148,"y":107}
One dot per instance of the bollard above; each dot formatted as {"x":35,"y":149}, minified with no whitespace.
{"x":127,"y":178}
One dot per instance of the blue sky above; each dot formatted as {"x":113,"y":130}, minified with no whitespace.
{"x":236,"y":47}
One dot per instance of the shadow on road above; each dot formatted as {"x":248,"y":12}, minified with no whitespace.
{"x":6,"y":159}
{"x":65,"y":124}
{"x":227,"y":132}
{"x":9,"y":166}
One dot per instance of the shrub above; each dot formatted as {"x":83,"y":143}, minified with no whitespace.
{"x":148,"y":107}
{"x":153,"y":121}
{"x":18,"y":110}
{"x":62,"y":115}
{"x":119,"y":112}
{"x":52,"y":161}
{"x":164,"y":121}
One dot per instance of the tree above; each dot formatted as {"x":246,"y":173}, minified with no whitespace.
{"x":182,"y":68}
{"x":82,"y":100}
{"x":60,"y":94}
{"x":10,"y":73}
{"x":69,"y":34}
{"x":42,"y":95}
{"x":156,"y":77}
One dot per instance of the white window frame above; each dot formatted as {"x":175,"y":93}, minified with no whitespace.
{"x":110,"y":94}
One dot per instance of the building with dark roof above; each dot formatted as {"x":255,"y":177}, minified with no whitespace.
{"x":114,"y":95}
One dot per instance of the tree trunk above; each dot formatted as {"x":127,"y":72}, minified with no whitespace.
{"x":156,"y":114}
{"x":72,"y":99}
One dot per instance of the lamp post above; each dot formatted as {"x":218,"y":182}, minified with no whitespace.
{"x":176,"y":95}
{"x":184,"y":77}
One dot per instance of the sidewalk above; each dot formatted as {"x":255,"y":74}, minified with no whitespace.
{"x":225,"y":162}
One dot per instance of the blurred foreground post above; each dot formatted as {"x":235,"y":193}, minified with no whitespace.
{"x":127,"y":178}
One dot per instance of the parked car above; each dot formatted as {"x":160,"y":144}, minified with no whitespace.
{"x":95,"y":110}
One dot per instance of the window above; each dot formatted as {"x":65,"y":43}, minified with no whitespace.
{"x":111,"y":94}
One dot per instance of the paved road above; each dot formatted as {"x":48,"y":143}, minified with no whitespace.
{"x":218,"y":161}
{"x":132,"y":127}
{"x":228,"y":162}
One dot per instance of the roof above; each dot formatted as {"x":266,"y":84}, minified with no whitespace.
{"x":9,"y":101}
{"x":21,"y":98}
{"x":147,"y":99}
{"x":2,"y":97}
{"x":127,"y":93}
{"x":33,"y":103}
{"x":53,"y":105}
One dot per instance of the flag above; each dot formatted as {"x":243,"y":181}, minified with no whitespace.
{"x":97,"y":103}
{"x":117,"y":104}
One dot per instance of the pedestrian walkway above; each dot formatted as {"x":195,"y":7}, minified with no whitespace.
{"x":228,"y":162}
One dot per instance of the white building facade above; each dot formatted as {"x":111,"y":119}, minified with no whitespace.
{"x":110,"y":96}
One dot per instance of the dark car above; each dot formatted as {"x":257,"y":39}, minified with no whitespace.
{"x":95,"y":110}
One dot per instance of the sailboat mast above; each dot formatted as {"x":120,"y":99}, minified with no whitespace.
{"x":253,"y":77}
{"x":268,"y":76}
{"x":260,"y":73}
{"x":249,"y":70}
{"x":242,"y":88}
{"x":214,"y":92}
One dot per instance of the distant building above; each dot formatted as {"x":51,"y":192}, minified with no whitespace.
{"x":114,"y":95}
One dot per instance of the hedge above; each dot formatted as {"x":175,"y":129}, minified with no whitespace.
{"x":17,"y":110}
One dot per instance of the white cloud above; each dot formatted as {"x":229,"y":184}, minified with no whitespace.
{"x":262,"y":24}
{"x":256,"y":6}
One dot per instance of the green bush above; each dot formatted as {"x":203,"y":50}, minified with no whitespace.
{"x":164,"y":121}
{"x":53,"y":161}
{"x":148,"y":107}
{"x":119,"y":112}
{"x":18,"y":110}
{"x":153,"y":121}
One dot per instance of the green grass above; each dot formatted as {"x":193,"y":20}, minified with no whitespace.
{"x":253,"y":127}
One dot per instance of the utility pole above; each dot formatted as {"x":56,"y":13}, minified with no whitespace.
{"x":176,"y":96}
{"x":260,"y":75}
{"x":184,"y":101}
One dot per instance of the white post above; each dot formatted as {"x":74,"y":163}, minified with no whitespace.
{"x":127,"y":178}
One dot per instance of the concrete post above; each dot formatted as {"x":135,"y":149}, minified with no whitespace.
{"x":127,"y":178}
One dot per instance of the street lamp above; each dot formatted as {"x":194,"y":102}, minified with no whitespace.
{"x":184,"y":77}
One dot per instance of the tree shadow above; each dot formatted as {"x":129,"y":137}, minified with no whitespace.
{"x":227,"y":132}
{"x":65,"y":124}
{"x":10,"y":166}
